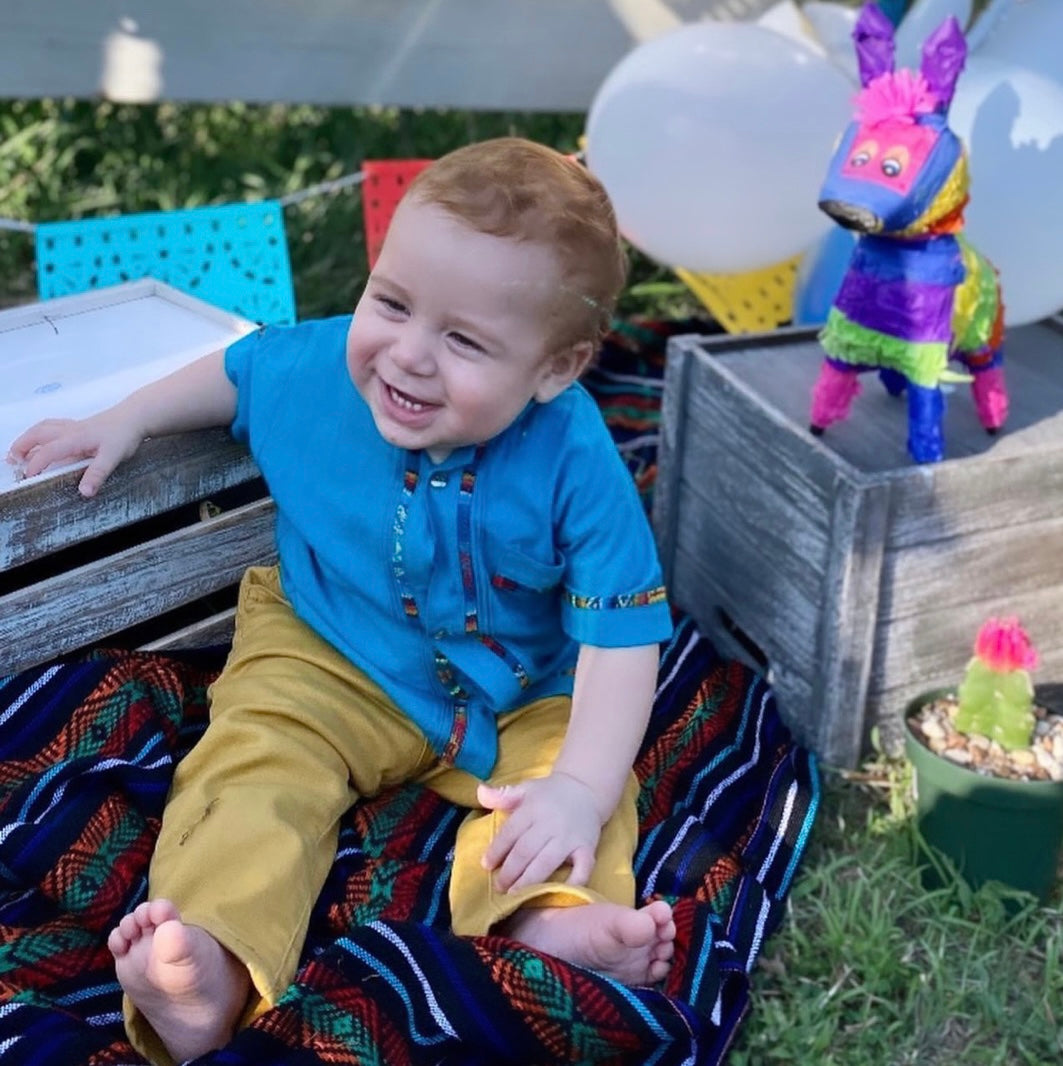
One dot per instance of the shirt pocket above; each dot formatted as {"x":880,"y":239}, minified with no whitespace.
{"x":513,"y":571}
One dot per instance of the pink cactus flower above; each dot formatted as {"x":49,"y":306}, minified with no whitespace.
{"x":1003,"y":645}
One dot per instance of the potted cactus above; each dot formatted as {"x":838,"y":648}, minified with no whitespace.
{"x":988,"y":763}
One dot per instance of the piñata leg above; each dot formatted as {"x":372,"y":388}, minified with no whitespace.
{"x":926,"y":412}
{"x":833,"y":394}
{"x":988,"y":389}
{"x":985,"y":360}
{"x":894,"y":380}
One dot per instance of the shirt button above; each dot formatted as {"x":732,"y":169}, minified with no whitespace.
{"x":440,"y":634}
{"x":438,"y":480}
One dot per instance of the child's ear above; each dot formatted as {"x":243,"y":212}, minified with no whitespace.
{"x":562,"y":368}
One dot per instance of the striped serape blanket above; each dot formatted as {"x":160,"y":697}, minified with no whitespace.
{"x":627,"y":381}
{"x":87,"y":750}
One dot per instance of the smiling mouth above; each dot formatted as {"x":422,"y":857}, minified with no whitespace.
{"x":407,"y":402}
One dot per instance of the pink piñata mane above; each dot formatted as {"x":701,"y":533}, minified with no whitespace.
{"x":900,"y":96}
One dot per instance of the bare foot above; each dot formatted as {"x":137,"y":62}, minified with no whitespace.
{"x":189,"y":988}
{"x":632,"y":946}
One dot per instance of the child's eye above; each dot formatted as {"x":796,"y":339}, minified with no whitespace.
{"x":466,"y":342}
{"x":391,"y":304}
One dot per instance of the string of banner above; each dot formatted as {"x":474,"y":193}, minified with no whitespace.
{"x":297,"y":197}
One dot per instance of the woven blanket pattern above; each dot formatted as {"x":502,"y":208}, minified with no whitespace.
{"x":627,"y":381}
{"x":87,"y":750}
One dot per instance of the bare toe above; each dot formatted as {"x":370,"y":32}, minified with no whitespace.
{"x":129,"y":927}
{"x":632,"y":946}
{"x":663,"y":951}
{"x":188,"y":987}
{"x":117,"y":944}
{"x":141,"y":916}
{"x":159,"y":911}
{"x":129,"y":930}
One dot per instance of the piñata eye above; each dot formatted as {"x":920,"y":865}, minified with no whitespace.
{"x":861,"y":159}
{"x":891,"y":167}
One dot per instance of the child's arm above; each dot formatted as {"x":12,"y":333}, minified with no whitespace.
{"x":195,"y":397}
{"x":558,"y":819}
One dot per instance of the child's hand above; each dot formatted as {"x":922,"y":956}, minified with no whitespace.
{"x":552,"y":820}
{"x":105,"y":438}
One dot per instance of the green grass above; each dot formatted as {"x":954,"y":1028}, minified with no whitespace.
{"x":872,"y":969}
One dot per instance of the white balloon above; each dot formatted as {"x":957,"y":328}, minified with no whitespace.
{"x":712,"y":142}
{"x":787,"y":18}
{"x":833,"y":27}
{"x":1012,"y":122}
{"x":919,"y":23}
{"x":1029,"y":34}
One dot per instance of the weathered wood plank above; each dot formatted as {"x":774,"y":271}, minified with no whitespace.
{"x":848,"y":619}
{"x":670,"y":449}
{"x":535,"y":55}
{"x":749,"y":524}
{"x":953,"y":499}
{"x":791,"y":678}
{"x":788,"y":646}
{"x":217,"y":629}
{"x":996,"y":566}
{"x":46,"y":514}
{"x":727,"y":415}
{"x":822,"y":620}
{"x":85,"y":605}
{"x":713,"y":527}
{"x":707,"y":548}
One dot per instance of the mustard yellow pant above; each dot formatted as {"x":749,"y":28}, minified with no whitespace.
{"x":297,"y":735}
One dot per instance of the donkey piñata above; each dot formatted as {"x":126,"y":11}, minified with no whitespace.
{"x":916,"y":294}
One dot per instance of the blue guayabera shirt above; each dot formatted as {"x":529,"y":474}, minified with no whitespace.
{"x":462,"y":588}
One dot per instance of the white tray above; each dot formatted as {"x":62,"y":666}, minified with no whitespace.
{"x":73,"y":356}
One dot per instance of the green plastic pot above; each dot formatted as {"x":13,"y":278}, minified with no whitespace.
{"x":991,"y":828}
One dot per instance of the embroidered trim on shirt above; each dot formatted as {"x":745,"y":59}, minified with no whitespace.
{"x":468,"y":578}
{"x":457,"y":733}
{"x":627,"y":599}
{"x":447,"y":678}
{"x":409,"y":485}
{"x":459,"y":726}
{"x":508,"y":658}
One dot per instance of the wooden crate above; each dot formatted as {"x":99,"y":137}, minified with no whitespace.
{"x":861,"y":576}
{"x":154,"y":558}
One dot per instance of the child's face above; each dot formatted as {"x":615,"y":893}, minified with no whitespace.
{"x":449,"y":339}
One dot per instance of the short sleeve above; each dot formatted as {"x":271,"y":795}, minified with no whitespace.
{"x":241,"y":358}
{"x":282,"y":372}
{"x":614,"y":592}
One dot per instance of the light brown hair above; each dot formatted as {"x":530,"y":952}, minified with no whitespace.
{"x":513,"y":187}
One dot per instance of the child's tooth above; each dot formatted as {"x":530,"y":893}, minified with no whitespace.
{"x":404,"y":401}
